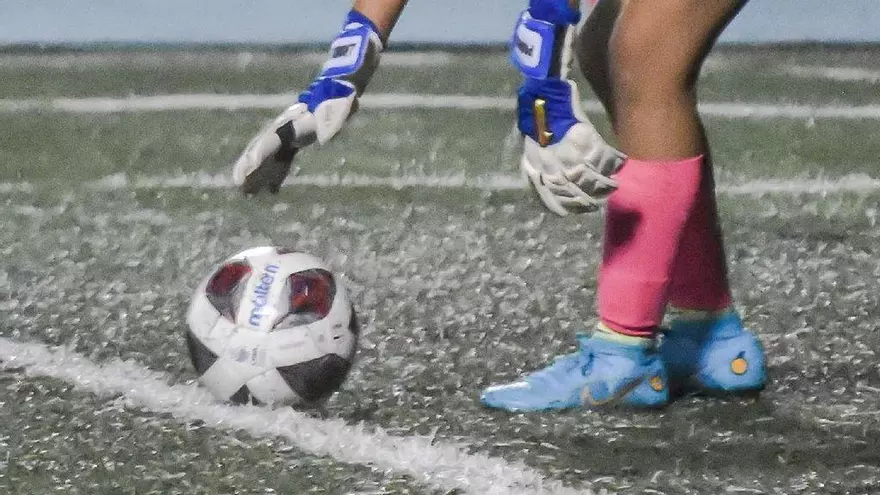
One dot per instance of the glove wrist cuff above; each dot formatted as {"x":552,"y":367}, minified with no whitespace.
{"x":558,"y":12}
{"x":540,"y":49}
{"x":355,"y":52}
{"x":355,"y":17}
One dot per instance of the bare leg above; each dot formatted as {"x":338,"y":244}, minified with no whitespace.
{"x":383,"y":13}
{"x":656,"y":50}
{"x":591,"y":46}
{"x":664,"y":210}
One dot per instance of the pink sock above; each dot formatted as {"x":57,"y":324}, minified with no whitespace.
{"x":699,"y":276}
{"x":643,"y":225}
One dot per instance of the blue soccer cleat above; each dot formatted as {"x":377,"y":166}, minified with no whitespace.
{"x":716,"y":355}
{"x":601,"y":373}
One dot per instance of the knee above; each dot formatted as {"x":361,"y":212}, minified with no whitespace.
{"x":646,"y":70}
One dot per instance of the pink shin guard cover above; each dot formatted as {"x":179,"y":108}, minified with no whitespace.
{"x":699,"y":276}
{"x":643,"y":226}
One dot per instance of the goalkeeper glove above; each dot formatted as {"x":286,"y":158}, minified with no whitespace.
{"x":566,"y":160}
{"x":320,"y":111}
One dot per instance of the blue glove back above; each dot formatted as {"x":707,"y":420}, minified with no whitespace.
{"x":545,"y":106}
{"x":325,"y":89}
{"x":539,"y":35}
{"x":353,"y":58}
{"x":557,"y":12}
{"x":545,"y":111}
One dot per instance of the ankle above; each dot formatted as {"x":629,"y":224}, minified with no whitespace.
{"x":606,"y":332}
{"x":679,"y":314}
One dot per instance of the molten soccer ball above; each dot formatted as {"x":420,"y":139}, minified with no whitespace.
{"x":271,"y":326}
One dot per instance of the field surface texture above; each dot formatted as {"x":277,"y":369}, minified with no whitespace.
{"x":117,"y":199}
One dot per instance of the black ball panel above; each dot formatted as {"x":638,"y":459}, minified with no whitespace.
{"x":316,"y":379}
{"x":202,"y":358}
{"x":243,"y":396}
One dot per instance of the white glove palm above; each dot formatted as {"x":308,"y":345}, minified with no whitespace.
{"x":269,"y":156}
{"x":574,"y":174}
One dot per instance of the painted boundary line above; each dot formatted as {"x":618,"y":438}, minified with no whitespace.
{"x":854,"y":183}
{"x":231,"y":60}
{"x":848,"y":184}
{"x":387,"y":101}
{"x":434,"y":463}
{"x":839,"y":74}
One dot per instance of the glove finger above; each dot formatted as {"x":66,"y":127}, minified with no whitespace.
{"x":333,"y":112}
{"x":270,"y":174}
{"x":586,"y":157}
{"x":565,"y":189}
{"x":579,"y":181}
{"x":264,"y":146}
{"x":580,"y":205}
{"x":586,"y":176}
{"x":572,"y":195}
{"x":596,"y":173}
{"x":605,"y":159}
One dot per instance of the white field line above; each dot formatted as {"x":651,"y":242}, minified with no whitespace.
{"x":847,"y":184}
{"x":431,"y":462}
{"x":101,"y":105}
{"x":16,"y":187}
{"x":399,"y":59}
{"x":853,"y":183}
{"x":232,"y":61}
{"x":840,"y":74}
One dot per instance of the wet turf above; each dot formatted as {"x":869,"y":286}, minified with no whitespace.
{"x":59,"y":440}
{"x":67,"y":149}
{"x":457,"y":288}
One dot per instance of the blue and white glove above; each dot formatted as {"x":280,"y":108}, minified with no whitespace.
{"x":565,"y":158}
{"x":320,"y":111}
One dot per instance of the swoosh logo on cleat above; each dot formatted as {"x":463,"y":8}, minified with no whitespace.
{"x":587,"y":394}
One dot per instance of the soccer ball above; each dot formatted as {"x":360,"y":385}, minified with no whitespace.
{"x":271,"y":326}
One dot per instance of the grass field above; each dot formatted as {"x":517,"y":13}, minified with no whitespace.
{"x":110,"y":219}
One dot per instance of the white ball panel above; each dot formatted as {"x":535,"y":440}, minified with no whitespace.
{"x":267,"y":350}
{"x":218,"y":336}
{"x":270,"y":388}
{"x":332,"y":334}
{"x":201,"y":316}
{"x":291,"y":346}
{"x":254,"y":252}
{"x":226,"y":376}
{"x":297,"y":262}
